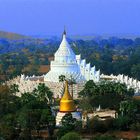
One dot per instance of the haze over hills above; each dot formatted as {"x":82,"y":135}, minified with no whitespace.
{"x":17,"y":36}
{"x":13,"y":42}
{"x":89,"y":36}
{"x":12,"y":36}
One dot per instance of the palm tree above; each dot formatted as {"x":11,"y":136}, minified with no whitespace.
{"x":43,"y":93}
{"x":27,"y":97}
{"x":89,"y":90}
{"x":127,"y":108}
{"x":123,"y":107}
{"x":14,"y":89}
{"x":120,"y":89}
{"x":71,"y":81}
{"x":62,"y":78}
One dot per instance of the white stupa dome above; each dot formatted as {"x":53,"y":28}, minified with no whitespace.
{"x":64,"y":52}
{"x":64,"y":64}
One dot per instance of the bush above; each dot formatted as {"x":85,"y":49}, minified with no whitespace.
{"x":122,"y":123}
{"x":135,"y":126}
{"x":71,"y":136}
{"x":69,"y":124}
{"x":7,"y":132}
{"x":137,"y":138}
{"x":96,"y":125}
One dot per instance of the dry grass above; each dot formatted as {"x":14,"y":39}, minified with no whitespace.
{"x":44,"y":68}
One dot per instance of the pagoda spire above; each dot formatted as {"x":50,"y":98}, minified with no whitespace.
{"x":64,"y":33}
{"x":67,"y":102}
{"x":66,"y":95}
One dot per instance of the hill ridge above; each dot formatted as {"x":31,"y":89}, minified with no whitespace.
{"x":12,"y":36}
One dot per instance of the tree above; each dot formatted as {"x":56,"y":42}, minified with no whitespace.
{"x":68,"y":121}
{"x":107,"y":94}
{"x":122,"y":123}
{"x":68,"y":124}
{"x":36,"y":112}
{"x":9,"y":103}
{"x":120,"y":89}
{"x":27,"y":98}
{"x":85,"y":105}
{"x":96,"y":125}
{"x":43,"y":93}
{"x":71,"y":81}
{"x":36,"y":115}
{"x":14,"y":89}
{"x":71,"y":136}
{"x":47,"y":120}
{"x":62,"y":78}
{"x":135,"y":71}
{"x":89,"y":90}
{"x":128,"y":108}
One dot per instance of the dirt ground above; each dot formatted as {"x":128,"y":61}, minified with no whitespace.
{"x":127,"y":135}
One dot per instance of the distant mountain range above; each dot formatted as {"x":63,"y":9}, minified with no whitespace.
{"x":12,"y":36}
{"x":88,"y":36}
{"x":15,"y":36}
{"x":13,"y":42}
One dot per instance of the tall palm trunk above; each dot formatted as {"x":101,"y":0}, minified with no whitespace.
{"x":72,"y":90}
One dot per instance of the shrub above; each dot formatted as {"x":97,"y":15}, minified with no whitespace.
{"x":71,"y":136}
{"x":97,"y":125}
{"x":121,"y":123}
{"x":135,"y":126}
{"x":137,"y":138}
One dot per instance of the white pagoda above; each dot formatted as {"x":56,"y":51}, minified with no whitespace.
{"x":70,"y":65}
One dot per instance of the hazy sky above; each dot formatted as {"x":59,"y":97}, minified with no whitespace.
{"x":48,"y":17}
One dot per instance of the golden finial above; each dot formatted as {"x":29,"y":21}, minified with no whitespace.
{"x":67,"y":103}
{"x":66,"y":95}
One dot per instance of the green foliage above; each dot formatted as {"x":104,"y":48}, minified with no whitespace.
{"x":14,"y":88}
{"x":71,"y":136}
{"x":68,"y":121}
{"x":62,"y":78}
{"x":25,"y":135}
{"x":7,"y":132}
{"x":90,"y":89}
{"x":128,"y":108}
{"x":137,"y":103}
{"x":137,"y":138}
{"x":122,"y":123}
{"x":107,"y":94}
{"x":135,"y":126}
{"x":135,"y":70}
{"x":111,"y":55}
{"x":96,"y":125}
{"x":9,"y":103}
{"x":68,"y":124}
{"x":20,"y":115}
{"x":43,"y":93}
{"x":27,"y":98}
{"x":113,"y":96}
{"x":85,"y":105}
